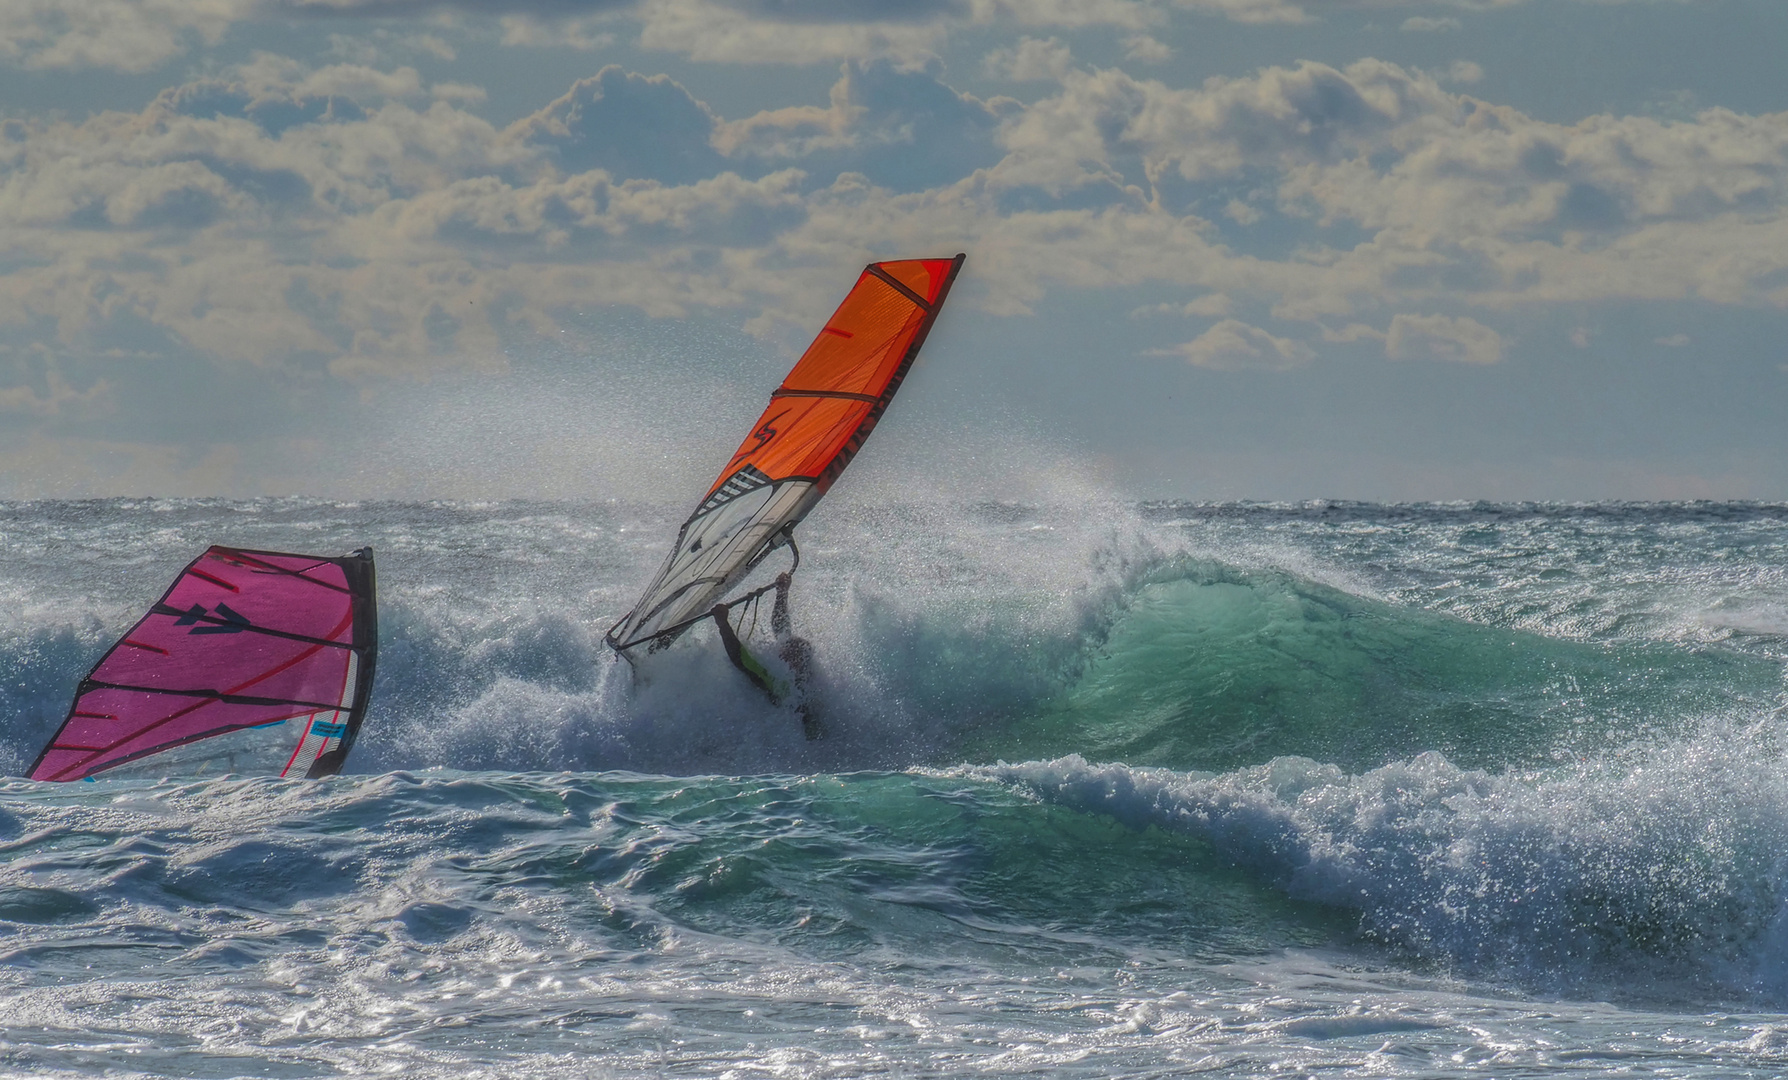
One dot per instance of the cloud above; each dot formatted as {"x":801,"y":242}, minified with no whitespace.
{"x":1280,"y":118}
{"x":1465,"y":71}
{"x":1674,"y":341}
{"x":360,"y":220}
{"x":238,"y":219}
{"x":537,"y":31}
{"x":125,"y":35}
{"x":1352,"y":332}
{"x":1582,"y":336}
{"x":381,"y":44}
{"x":1458,"y":198}
{"x":900,"y":126}
{"x":1251,"y":11}
{"x":1440,"y":337}
{"x":751,"y":33}
{"x":1232,"y":345}
{"x":1241,"y":213}
{"x":1213,"y":306}
{"x":629,"y":125}
{"x":1030,"y":60}
{"x":145,"y":35}
{"x":1146,"y":50}
{"x":809,"y":31}
{"x":50,"y":394}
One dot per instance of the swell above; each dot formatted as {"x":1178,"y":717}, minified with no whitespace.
{"x":1657,"y":871}
{"x":1658,"y":874}
{"x":1205,"y":665}
{"x":1159,"y":659}
{"x":947,"y":868}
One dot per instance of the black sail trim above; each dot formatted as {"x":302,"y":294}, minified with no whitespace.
{"x":871,"y":398}
{"x":89,"y":685}
{"x":875,"y":268}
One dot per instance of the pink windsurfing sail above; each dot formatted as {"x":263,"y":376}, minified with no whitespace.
{"x":253,"y":662}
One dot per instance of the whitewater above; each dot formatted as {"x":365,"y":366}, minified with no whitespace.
{"x":1108,"y":789}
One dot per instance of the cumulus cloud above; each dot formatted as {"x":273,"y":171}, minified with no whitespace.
{"x":1241,"y":213}
{"x":1352,"y":332}
{"x":713,"y":30}
{"x":755,"y":32}
{"x":1232,"y":345}
{"x":583,"y":33}
{"x":359,"y":219}
{"x":1252,"y":11}
{"x":1146,"y":50}
{"x":382,"y":45}
{"x":241,"y":218}
{"x":1465,"y":71}
{"x":1029,"y":60}
{"x":901,"y":126}
{"x":126,"y":35}
{"x":144,"y":35}
{"x":629,"y":125}
{"x":1440,"y":337}
{"x":1460,"y":198}
{"x":1213,"y":305}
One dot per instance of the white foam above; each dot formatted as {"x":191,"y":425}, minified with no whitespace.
{"x":1662,"y":863}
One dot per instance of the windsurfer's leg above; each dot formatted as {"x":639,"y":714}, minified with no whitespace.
{"x":741,"y":658}
{"x":794,"y":651}
{"x":797,"y":653}
{"x":779,"y":621}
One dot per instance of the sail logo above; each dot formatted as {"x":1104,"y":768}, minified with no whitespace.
{"x":763,"y":435}
{"x":233,"y":622}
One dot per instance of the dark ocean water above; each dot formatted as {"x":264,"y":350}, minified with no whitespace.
{"x":1249,"y":790}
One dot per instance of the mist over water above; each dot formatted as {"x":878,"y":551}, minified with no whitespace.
{"x":1106,"y":789}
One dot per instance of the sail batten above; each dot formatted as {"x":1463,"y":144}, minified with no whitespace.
{"x":815,"y":423}
{"x":253,"y":662}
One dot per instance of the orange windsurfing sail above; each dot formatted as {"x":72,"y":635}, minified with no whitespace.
{"x":816,"y":422}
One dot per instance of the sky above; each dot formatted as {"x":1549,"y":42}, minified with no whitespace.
{"x":1217,"y":249}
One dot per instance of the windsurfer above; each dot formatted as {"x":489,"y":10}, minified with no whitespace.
{"x":813,"y":426}
{"x":792,"y":649}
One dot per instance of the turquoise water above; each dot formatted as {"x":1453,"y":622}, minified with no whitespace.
{"x":1247,"y":790}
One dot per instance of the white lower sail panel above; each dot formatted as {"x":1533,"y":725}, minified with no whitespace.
{"x":324,"y":730}
{"x":713,"y":554}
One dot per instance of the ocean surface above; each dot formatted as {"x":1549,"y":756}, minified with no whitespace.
{"x":1107,"y":789}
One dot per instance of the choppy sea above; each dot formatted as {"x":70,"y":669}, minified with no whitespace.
{"x":1108,"y":789}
